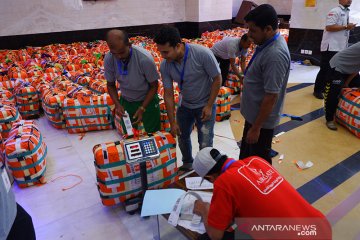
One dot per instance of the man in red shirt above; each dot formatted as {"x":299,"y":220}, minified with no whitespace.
{"x":250,"y":188}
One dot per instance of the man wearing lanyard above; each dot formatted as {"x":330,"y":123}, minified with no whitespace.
{"x":250,"y":188}
{"x":135,"y":70}
{"x":15,"y":222}
{"x":226,"y":52}
{"x":264,"y":84}
{"x":335,"y":38}
{"x":197,"y":73}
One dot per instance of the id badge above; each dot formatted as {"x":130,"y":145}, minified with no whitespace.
{"x":6,"y":180}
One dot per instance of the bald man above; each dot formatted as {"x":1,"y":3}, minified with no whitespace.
{"x":135,"y":70}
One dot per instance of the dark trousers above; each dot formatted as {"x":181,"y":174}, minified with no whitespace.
{"x":333,"y":88}
{"x":224,"y":67}
{"x":325,"y":69}
{"x":261,"y":149}
{"x":22,"y":228}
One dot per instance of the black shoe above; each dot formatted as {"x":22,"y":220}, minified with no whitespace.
{"x":318,"y":95}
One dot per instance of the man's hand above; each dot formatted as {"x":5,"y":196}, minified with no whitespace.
{"x":201,"y":208}
{"x":206,"y":113}
{"x":175,"y":129}
{"x":351,"y":26}
{"x":252,"y":136}
{"x":138,"y":115}
{"x":119,"y":110}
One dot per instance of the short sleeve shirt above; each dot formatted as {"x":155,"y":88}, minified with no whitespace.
{"x":347,"y":61}
{"x":269,"y":73}
{"x":141,"y":71}
{"x":200,"y":69}
{"x":336,"y":41}
{"x":228,"y":48}
{"x":7,"y":208}
{"x":252,"y":188}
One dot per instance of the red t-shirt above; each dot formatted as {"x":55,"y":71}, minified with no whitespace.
{"x":251,"y":188}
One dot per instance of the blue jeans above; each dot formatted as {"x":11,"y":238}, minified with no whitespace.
{"x":186,"y":118}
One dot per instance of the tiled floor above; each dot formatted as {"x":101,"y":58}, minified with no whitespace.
{"x":77,"y":213}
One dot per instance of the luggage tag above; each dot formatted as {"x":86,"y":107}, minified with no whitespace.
{"x":6,"y":180}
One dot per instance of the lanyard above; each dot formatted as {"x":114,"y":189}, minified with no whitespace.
{"x":125,"y":63}
{"x":227,"y":165}
{"x":259,"y":49}
{"x":182,"y":73}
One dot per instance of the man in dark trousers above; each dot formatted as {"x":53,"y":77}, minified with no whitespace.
{"x":335,"y":38}
{"x":265,"y":83}
{"x":227,"y":50}
{"x":197,"y":73}
{"x":345,"y":67}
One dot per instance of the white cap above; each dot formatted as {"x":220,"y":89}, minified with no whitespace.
{"x":204,"y":162}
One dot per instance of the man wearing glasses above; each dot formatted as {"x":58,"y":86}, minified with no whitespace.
{"x":135,"y":70}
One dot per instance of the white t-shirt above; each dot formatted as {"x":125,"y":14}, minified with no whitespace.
{"x":336,"y":41}
{"x":228,"y":48}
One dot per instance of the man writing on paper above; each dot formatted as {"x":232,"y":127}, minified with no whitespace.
{"x":250,"y":188}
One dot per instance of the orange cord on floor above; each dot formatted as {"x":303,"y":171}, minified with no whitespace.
{"x":69,"y":175}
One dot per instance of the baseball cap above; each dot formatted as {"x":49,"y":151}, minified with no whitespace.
{"x":204,"y":162}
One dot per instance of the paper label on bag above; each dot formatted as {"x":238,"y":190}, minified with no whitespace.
{"x":6,"y":180}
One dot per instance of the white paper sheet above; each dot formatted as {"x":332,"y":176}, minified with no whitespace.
{"x":160,"y":201}
{"x":193,"y":183}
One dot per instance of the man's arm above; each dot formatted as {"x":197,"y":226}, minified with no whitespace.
{"x":337,"y":28}
{"x":149,"y":96}
{"x":115,"y":98}
{"x":266,"y":108}
{"x":202,"y":209}
{"x":349,"y":79}
{"x":215,"y":87}
{"x":235,"y":68}
{"x":170,"y":108}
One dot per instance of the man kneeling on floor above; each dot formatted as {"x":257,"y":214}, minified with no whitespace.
{"x":251,"y":189}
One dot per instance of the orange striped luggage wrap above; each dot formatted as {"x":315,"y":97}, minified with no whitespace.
{"x":52,"y":103}
{"x":8,"y":84}
{"x":7,"y":95}
{"x":25,"y":154}
{"x":119,"y":181}
{"x":83,"y":79}
{"x":27,"y":100}
{"x":223,"y":104}
{"x":98,"y":86}
{"x":17,"y":73}
{"x":8,"y":115}
{"x":88,"y":113}
{"x":75,"y":90}
{"x":348,"y":110}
